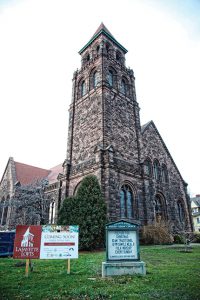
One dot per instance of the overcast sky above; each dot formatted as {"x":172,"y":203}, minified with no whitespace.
{"x":39,"y":44}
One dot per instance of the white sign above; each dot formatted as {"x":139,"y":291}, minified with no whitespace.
{"x":122,"y":245}
{"x":59,"y":243}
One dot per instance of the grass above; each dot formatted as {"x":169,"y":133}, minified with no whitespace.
{"x":171,"y":274}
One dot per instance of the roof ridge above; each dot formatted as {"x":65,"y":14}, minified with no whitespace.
{"x":31,"y":166}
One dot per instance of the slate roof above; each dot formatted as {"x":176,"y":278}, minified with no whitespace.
{"x":27,"y":174}
{"x":54,"y":172}
{"x":100,"y":28}
{"x":196,"y":200}
{"x":103,"y":30}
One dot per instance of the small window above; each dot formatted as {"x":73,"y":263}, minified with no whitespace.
{"x":107,"y":47}
{"x":83,"y":88}
{"x":118,"y":56}
{"x":98,"y":49}
{"x":147,"y":167}
{"x":88,"y":57}
{"x":123,"y":87}
{"x":5,"y":213}
{"x":198,"y":220}
{"x":110,"y":78}
{"x":164,"y":174}
{"x":94,"y":77}
{"x":52,"y":213}
{"x":156,"y":169}
{"x":180,"y":211}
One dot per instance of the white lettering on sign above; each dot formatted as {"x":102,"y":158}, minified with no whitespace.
{"x":122,"y":245}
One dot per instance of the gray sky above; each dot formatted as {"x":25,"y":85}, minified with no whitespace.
{"x":39,"y":44}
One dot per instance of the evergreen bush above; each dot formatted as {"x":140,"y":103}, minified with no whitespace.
{"x":88,"y":210}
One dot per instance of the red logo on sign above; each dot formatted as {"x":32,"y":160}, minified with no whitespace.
{"x":27,"y":241}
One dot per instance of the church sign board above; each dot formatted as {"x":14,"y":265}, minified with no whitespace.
{"x":122,"y":241}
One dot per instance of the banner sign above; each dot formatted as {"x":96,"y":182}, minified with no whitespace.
{"x":46,"y":242}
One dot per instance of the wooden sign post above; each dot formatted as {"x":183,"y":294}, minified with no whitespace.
{"x":27,"y":267}
{"x":68,"y":266}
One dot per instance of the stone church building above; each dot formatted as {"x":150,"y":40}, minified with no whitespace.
{"x":138,"y":176}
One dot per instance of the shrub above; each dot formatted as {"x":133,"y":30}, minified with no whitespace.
{"x":179,"y":239}
{"x":157,"y":233}
{"x":196,"y":237}
{"x":88,"y":210}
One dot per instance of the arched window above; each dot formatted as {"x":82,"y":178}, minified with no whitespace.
{"x":83,"y":88}
{"x":5,"y":212}
{"x":180,"y":211}
{"x":1,"y":210}
{"x":118,"y":56}
{"x":123,"y":87}
{"x":156,"y":170}
{"x":110,"y":77}
{"x":52,"y":213}
{"x":147,"y":167}
{"x":94,"y":79}
{"x":88,"y":57}
{"x":126,"y":202}
{"x":108,"y":46}
{"x":164,"y":174}
{"x":98,"y":49}
{"x":159,"y":208}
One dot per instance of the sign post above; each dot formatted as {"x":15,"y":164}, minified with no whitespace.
{"x":68,"y":266}
{"x":122,"y":250}
{"x":27,"y":267}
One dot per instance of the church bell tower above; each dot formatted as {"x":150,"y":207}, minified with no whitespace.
{"x":104,"y":126}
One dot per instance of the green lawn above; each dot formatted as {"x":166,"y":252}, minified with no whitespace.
{"x":171,"y":274}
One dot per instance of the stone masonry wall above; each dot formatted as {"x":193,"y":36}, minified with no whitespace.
{"x":154,"y":148}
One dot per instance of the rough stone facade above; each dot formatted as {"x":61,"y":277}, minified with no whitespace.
{"x":138,"y":176}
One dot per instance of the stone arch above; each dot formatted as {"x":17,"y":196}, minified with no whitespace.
{"x":76,"y":188}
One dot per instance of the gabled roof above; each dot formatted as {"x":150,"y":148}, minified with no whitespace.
{"x":196,"y":200}
{"x":54,"y":172}
{"x":103,"y":30}
{"x":27,"y":174}
{"x":146,"y":127}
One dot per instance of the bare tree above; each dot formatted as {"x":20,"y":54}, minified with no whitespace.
{"x":29,"y":204}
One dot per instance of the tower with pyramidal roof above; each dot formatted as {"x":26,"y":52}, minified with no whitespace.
{"x":139,"y":179}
